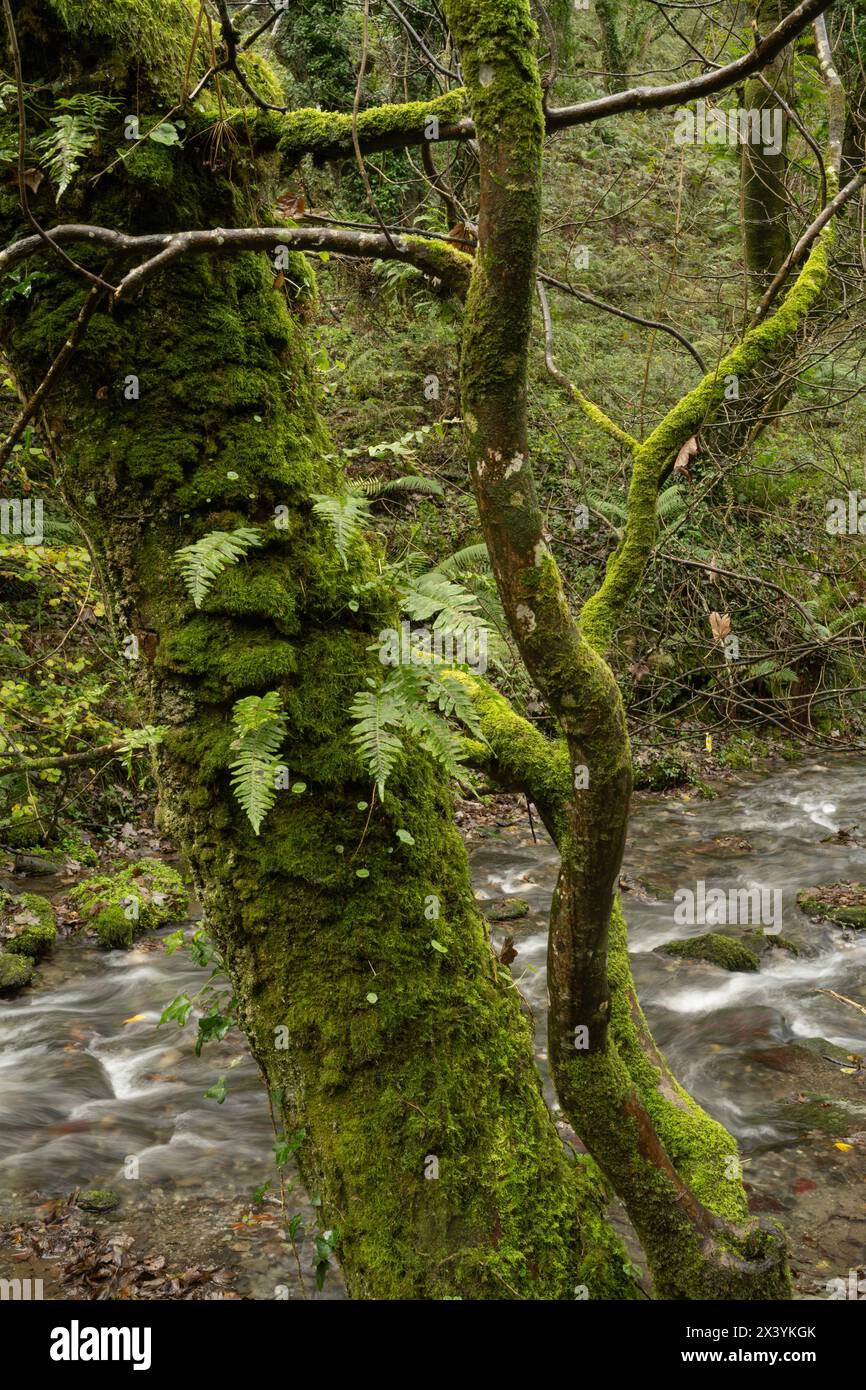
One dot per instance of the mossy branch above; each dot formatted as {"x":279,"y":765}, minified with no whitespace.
{"x":433,"y":257}
{"x":603,"y":610}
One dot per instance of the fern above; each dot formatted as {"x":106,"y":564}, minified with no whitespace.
{"x":405,"y":703}
{"x":378,"y":714}
{"x":345,"y":516}
{"x":260,"y":727}
{"x":450,"y":696}
{"x":671,"y":503}
{"x":471,"y":559}
{"x":435,"y":736}
{"x":201,"y":562}
{"x":382,"y":487}
{"x":432,"y":593}
{"x":76,"y":131}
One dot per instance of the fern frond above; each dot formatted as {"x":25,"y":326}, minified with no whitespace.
{"x":456,"y":607}
{"x":75,"y":132}
{"x":260,"y":726}
{"x":471,"y":559}
{"x":201,"y":562}
{"x":671,"y":503}
{"x":377,"y":715}
{"x":345,"y":516}
{"x":450,"y":697}
{"x":387,"y":487}
{"x":609,"y":508}
{"x":435,"y":736}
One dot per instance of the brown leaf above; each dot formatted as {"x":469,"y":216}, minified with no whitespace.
{"x":508,"y":953}
{"x":721,"y":625}
{"x":686,"y":453}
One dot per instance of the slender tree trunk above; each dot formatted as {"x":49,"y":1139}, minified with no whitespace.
{"x":764,"y":169}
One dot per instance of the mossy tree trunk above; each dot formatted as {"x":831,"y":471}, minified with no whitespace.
{"x":193,"y":409}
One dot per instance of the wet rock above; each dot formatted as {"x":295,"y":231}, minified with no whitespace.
{"x":15,"y":972}
{"x":724,"y":951}
{"x":506,"y":909}
{"x":28,"y":926}
{"x":836,"y":902}
{"x":34,"y":864}
{"x":97,"y":1199}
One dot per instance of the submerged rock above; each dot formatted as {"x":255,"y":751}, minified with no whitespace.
{"x":506,"y":909}
{"x":97,"y":1199}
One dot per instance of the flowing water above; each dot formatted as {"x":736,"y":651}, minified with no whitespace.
{"x":93,"y":1092}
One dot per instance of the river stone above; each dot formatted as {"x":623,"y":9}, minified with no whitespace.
{"x":719,"y":950}
{"x":836,"y":902}
{"x":15,"y":972}
{"x":98,"y":1199}
{"x":506,"y":909}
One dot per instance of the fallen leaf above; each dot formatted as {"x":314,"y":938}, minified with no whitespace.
{"x":721,"y":625}
{"x":686,"y":453}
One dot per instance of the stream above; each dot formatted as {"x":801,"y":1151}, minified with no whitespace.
{"x":93,"y":1093}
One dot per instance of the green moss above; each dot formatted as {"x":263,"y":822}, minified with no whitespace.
{"x":724,"y":951}
{"x":836,"y":902}
{"x":97,"y":1199}
{"x":114,"y":930}
{"x":33,"y":927}
{"x":157,"y":32}
{"x":15,"y":972}
{"x":328,"y":134}
{"x":120,"y":906}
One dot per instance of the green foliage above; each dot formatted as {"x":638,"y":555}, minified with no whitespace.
{"x":201,"y":562}
{"x":345,"y":516}
{"x":260,"y":727}
{"x":411,"y":700}
{"x":76,"y":130}
{"x":388,"y":487}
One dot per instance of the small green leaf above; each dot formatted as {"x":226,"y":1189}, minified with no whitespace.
{"x":372,"y":998}
{"x":362,"y":873}
{"x":405,"y":837}
{"x":298,"y":787}
{"x":437,"y":946}
{"x":217,"y":1091}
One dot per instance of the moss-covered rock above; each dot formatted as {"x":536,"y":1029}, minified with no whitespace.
{"x":724,"y":951}
{"x":140,"y":898}
{"x":27,"y":924}
{"x":506,"y":909}
{"x":97,"y":1199}
{"x":114,"y":930}
{"x":836,"y":902}
{"x":15,"y":972}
